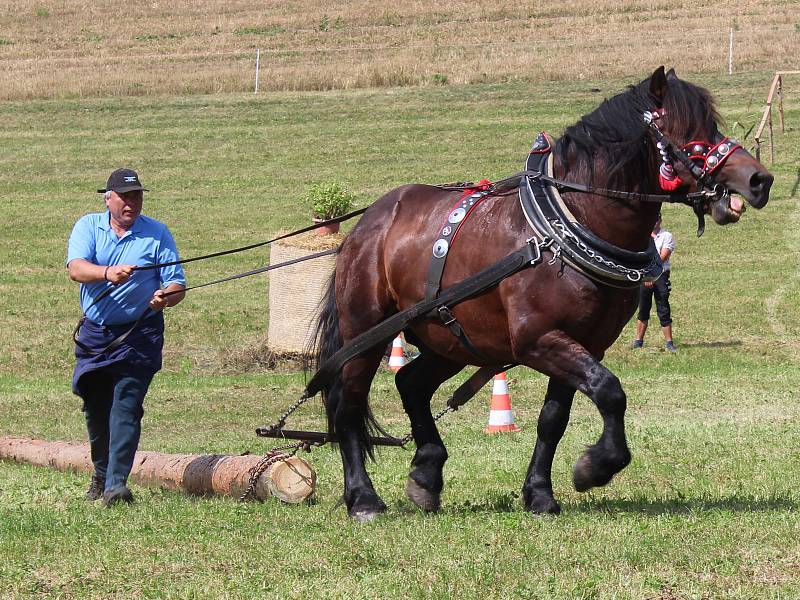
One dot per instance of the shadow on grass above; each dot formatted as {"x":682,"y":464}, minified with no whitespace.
{"x":679,"y":505}
{"x":511,"y":503}
{"x":727,"y":344}
{"x":497,"y":502}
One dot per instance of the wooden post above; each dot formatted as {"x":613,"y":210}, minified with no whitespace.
{"x":780,"y":101}
{"x":771,"y":140}
{"x":291,"y":480}
{"x":730,"y":53}
{"x":258,"y":64}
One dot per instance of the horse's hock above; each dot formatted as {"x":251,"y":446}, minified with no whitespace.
{"x":295,"y":291}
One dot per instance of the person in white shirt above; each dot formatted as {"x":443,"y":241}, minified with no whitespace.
{"x":660,"y":288}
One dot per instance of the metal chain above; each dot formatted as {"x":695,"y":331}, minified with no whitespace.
{"x":270,"y":458}
{"x":287,"y":413}
{"x":410,"y":436}
{"x":631,"y":274}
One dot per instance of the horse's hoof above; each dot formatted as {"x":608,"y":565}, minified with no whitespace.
{"x":544,"y":515}
{"x":426,"y":500}
{"x":542,"y":507}
{"x":582,"y":474}
{"x":365,"y":516}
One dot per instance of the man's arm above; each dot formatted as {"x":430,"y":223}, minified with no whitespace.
{"x":83,"y":271}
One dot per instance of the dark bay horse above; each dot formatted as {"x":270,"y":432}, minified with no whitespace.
{"x":554,"y":317}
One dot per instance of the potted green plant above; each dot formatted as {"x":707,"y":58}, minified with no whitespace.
{"x":329,"y":200}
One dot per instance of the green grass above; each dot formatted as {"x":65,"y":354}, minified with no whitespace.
{"x":707,"y":509}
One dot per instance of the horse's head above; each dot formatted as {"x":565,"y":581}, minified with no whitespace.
{"x":684,"y":123}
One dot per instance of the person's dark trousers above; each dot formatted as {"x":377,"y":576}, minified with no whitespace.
{"x":113,"y":404}
{"x":661,"y":289}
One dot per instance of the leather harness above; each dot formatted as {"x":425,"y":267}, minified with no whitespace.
{"x":555,"y":229}
{"x":550,"y":220}
{"x":573,"y":243}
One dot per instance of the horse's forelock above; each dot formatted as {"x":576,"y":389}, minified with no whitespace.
{"x":616,"y":128}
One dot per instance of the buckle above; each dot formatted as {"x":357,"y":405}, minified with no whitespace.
{"x":446,"y":316}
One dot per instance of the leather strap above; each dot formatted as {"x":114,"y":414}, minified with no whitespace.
{"x":448,"y":320}
{"x":441,"y":247}
{"x":115,"y":343}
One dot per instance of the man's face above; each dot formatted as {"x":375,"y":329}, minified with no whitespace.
{"x":125,"y":207}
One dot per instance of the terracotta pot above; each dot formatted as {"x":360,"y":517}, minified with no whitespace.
{"x":326,"y":229}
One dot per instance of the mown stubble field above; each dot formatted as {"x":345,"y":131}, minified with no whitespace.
{"x":707,"y":509}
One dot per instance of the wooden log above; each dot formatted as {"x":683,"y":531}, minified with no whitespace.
{"x":290,"y":480}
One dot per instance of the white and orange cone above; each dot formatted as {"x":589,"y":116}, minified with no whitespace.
{"x":501,"y":417}
{"x":397,"y":359}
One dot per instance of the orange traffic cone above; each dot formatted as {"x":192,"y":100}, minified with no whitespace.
{"x":397,"y":359}
{"x":501,"y":417}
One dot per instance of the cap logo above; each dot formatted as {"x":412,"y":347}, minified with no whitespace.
{"x":130,"y":179}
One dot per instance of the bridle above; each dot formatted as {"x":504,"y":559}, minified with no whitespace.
{"x":701,"y":158}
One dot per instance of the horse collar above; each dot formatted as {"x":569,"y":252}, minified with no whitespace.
{"x":574,"y":243}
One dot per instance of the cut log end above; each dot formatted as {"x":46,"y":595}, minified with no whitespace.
{"x":291,"y":480}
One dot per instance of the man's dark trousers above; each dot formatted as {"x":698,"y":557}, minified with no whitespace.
{"x":113,"y":402}
{"x":660,"y":290}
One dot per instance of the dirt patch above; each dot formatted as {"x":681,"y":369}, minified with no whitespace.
{"x":259,"y":357}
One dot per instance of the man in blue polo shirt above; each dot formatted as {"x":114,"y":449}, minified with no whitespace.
{"x":120,"y":337}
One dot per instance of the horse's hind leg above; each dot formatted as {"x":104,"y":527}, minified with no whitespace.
{"x":417,"y":382}
{"x":349,"y":395}
{"x":537,"y":492}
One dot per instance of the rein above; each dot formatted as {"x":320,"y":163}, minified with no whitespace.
{"x":688,"y":199}
{"x":341,"y":219}
{"x":121,"y":338}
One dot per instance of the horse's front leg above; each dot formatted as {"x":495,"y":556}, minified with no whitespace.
{"x":537,"y":491}
{"x":564,"y":359}
{"x":417,"y":382}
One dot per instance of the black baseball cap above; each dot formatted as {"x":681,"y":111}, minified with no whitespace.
{"x":123,"y":180}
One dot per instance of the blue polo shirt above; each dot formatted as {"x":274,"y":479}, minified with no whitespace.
{"x":147,"y":242}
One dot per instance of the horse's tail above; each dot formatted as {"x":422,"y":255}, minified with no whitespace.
{"x":325,"y":341}
{"x":326,"y":338}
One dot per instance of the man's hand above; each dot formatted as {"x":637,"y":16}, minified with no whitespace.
{"x":158,"y":302}
{"x":117,"y":274}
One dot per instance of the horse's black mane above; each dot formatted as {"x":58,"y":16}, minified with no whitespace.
{"x":616,"y":129}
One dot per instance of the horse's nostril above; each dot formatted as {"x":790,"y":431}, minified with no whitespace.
{"x":761,"y":182}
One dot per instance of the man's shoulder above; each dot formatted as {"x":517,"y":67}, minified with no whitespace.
{"x":151,"y":224}
{"x":90,"y":220}
{"x":666,"y":237}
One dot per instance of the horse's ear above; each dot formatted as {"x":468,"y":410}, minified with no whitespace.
{"x":671,"y":74}
{"x":658,"y":84}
